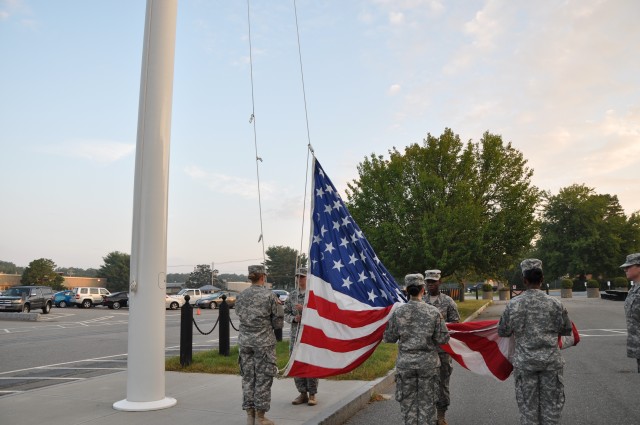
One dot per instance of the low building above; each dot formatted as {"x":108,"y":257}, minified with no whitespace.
{"x":9,"y":280}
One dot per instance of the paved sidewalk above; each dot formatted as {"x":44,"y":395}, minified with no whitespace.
{"x":201,"y":399}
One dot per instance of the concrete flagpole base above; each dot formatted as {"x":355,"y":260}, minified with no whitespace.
{"x":144,"y":406}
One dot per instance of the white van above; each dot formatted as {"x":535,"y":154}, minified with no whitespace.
{"x":87,"y":297}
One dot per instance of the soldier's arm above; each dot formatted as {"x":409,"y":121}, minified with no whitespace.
{"x":289,"y":310}
{"x":504,"y":326}
{"x":391,"y":332}
{"x":277,"y":313}
{"x":440,"y":333}
{"x":453,"y":316}
{"x":565,"y":328}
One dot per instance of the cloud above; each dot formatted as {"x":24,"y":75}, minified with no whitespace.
{"x":232,"y":185}
{"x":396,"y":18}
{"x":10,"y":8}
{"x":394,"y":89}
{"x":101,"y":151}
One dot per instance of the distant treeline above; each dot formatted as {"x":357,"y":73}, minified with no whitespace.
{"x":228,"y":277}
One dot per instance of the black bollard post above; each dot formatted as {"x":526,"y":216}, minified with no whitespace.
{"x":186,"y":332}
{"x":223,"y":327}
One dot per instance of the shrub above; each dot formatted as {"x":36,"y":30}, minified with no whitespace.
{"x":567,"y":284}
{"x":620,"y":282}
{"x":487,"y":287}
{"x":592,"y":283}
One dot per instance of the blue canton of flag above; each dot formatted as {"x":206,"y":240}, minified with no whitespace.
{"x":341,"y":255}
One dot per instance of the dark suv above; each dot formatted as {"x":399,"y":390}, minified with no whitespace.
{"x":27,"y":298}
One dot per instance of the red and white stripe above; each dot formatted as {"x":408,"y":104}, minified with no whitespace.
{"x":477,"y":347}
{"x":337,"y":332}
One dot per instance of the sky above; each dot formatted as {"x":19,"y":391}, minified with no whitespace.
{"x":560,"y":80}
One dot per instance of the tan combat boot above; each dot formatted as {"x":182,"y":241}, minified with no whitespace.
{"x":441,"y":419}
{"x":251,"y":416}
{"x":302,"y":398}
{"x":262,"y":420}
{"x":312,"y":400}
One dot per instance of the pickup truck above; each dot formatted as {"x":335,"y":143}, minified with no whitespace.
{"x":194,"y":294}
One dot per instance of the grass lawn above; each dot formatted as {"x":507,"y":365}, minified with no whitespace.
{"x":379,"y":364}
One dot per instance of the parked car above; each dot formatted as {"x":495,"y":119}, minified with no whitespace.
{"x":174,"y":302}
{"x":116,"y":300}
{"x":27,"y":298}
{"x":477,"y":287}
{"x":214,"y":300}
{"x":63,"y":298}
{"x":281,"y":293}
{"x":87,"y":297}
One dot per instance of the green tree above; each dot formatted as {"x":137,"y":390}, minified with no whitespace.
{"x":77,"y":272}
{"x":281,"y":266}
{"x":116,"y":268}
{"x":8,"y":268}
{"x":583,"y":232}
{"x":42,"y":272}
{"x":463,"y":208}
{"x":200,"y":276}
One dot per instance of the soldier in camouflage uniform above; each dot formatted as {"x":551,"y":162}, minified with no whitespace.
{"x":536,"y":320}
{"x":307,"y":387}
{"x":449,"y":311}
{"x":632,"y":306}
{"x":260,"y":313}
{"x":419,"y":329}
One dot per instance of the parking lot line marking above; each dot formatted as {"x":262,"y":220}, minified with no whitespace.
{"x":83,"y":368}
{"x":22,"y":378}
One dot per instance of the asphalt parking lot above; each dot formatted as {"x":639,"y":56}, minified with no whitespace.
{"x":74,"y":344}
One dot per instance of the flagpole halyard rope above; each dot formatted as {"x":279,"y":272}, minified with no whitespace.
{"x":310,"y":150}
{"x":252,"y":120}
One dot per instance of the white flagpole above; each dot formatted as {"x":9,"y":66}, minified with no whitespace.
{"x":146,"y":339}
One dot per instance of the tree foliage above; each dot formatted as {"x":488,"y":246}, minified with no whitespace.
{"x":202,"y":275}
{"x":462,"y":208}
{"x":117,"y":270}
{"x":8,"y":267}
{"x":42,"y":272}
{"x":583,"y":232}
{"x":77,"y":272}
{"x":281,"y":265}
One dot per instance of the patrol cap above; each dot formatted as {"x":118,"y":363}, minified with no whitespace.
{"x":259,"y":268}
{"x":302,"y":271}
{"x":432,"y":274}
{"x":414,"y":280}
{"x":530,"y":263}
{"x":632,"y":260}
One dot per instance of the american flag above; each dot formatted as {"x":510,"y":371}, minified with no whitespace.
{"x":477,"y":347}
{"x":350,"y":294}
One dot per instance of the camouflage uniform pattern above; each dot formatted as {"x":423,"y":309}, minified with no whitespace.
{"x":449,"y":311}
{"x":632,"y":313}
{"x":260,"y":313}
{"x":419,"y":329}
{"x":535,"y":320}
{"x":303,"y":385}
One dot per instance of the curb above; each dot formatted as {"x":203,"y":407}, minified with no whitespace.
{"x":340,"y":412}
{"x":24,"y":317}
{"x":478,"y":311}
